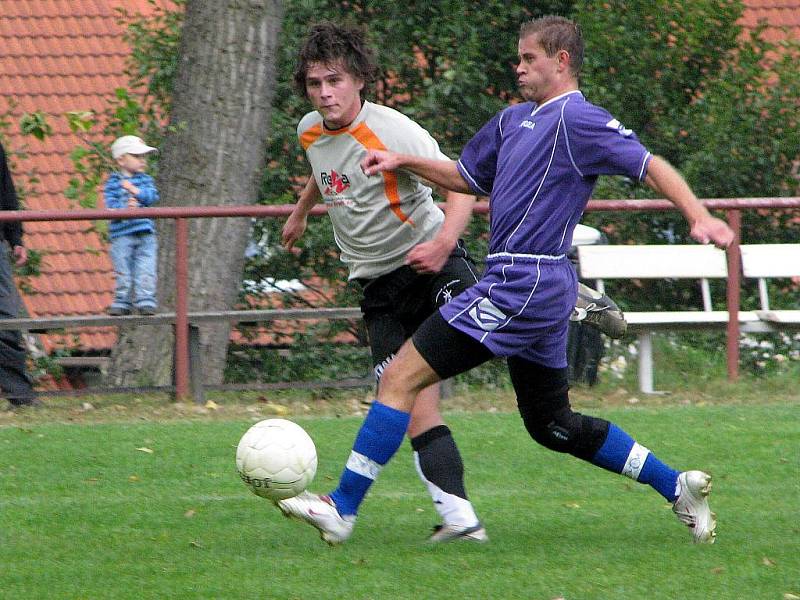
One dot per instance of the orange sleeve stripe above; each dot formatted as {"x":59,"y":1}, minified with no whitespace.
{"x":310,"y":135}
{"x":367,"y":138}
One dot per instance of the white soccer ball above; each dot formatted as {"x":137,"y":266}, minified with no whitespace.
{"x":276,"y":459}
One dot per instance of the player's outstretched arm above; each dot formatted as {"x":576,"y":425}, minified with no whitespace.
{"x":441,"y":172}
{"x":429,"y":257}
{"x":705,"y":228}
{"x":296,"y":223}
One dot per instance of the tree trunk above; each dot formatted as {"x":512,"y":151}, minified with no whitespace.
{"x":214,"y":156}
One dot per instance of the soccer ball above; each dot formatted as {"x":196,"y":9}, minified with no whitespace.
{"x":276,"y":459}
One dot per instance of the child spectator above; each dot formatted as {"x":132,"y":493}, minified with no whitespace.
{"x":134,"y":247}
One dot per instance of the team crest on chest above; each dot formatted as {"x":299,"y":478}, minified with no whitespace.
{"x":334,"y":183}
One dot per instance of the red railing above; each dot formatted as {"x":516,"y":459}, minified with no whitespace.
{"x":732,"y":206}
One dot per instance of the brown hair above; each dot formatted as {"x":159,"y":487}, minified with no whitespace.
{"x":329,"y":43}
{"x":557,"y":33}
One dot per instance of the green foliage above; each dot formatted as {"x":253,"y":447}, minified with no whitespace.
{"x":307,"y":358}
{"x":48,"y":365}
{"x":154,"y":45}
{"x":35,"y":124}
{"x":743,"y":134}
{"x":770,"y":354}
{"x":687,"y":362}
{"x":646,"y":61}
{"x":720,"y":106}
{"x":32,"y":268}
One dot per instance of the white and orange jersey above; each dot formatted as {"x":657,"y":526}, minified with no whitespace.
{"x":376,"y":220}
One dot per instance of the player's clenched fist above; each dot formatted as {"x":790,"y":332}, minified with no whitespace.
{"x":379,"y":160}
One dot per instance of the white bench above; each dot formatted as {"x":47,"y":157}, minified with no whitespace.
{"x":661,"y":262}
{"x":764,"y":261}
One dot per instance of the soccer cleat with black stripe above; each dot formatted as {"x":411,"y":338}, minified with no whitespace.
{"x":599,"y":311}
{"x":450,"y":533}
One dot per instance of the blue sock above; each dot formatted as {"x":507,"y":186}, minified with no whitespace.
{"x":380,"y":436}
{"x":621,"y":454}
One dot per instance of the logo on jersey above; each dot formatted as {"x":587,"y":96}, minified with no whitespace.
{"x":487,"y":315}
{"x":621,"y":129}
{"x":334,"y":183}
{"x":528,"y":124}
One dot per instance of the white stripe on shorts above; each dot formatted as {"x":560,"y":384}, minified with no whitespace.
{"x":505,"y":255}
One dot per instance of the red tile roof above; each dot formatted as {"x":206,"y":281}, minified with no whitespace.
{"x":57,"y":56}
{"x":777,"y":14}
{"x":61,"y":55}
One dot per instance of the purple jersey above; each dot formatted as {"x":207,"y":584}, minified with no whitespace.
{"x":539,"y":165}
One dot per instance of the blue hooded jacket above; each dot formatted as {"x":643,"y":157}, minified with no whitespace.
{"x":117,"y":197}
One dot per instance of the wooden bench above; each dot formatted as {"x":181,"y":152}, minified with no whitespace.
{"x":698,"y":262}
{"x":767,"y":261}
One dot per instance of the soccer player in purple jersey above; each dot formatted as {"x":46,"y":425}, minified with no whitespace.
{"x":538,"y":161}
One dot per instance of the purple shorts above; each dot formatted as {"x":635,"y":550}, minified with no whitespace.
{"x":520,"y":307}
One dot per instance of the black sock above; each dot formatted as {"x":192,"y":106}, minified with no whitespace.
{"x":440,"y":461}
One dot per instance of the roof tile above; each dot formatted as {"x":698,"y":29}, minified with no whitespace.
{"x":56,"y":56}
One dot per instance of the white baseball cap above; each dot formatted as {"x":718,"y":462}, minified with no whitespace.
{"x":130,"y":144}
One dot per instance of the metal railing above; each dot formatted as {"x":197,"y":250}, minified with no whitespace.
{"x":181,"y":319}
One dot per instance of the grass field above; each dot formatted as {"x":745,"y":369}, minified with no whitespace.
{"x":156,"y":510}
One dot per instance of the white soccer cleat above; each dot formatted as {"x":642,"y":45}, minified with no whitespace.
{"x":599,"y":311}
{"x":692,"y":508}
{"x":450,"y":533}
{"x":320,"y":512}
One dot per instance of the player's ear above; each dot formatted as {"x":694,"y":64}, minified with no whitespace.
{"x":564,"y":60}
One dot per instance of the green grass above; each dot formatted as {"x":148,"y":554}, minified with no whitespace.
{"x":85,"y":514}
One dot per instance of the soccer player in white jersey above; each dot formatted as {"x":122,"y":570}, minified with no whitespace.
{"x":538,"y":161}
{"x":395,"y":241}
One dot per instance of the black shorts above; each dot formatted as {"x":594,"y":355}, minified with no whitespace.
{"x":449,"y":351}
{"x":395,"y":304}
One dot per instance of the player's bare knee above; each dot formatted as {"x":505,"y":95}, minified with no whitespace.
{"x":398,"y":388}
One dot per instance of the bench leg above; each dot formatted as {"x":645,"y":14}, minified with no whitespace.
{"x":646,"y":363}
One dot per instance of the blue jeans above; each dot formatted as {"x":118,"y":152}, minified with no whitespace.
{"x":135,"y":263}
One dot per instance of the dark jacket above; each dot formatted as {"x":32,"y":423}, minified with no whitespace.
{"x":9,"y":231}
